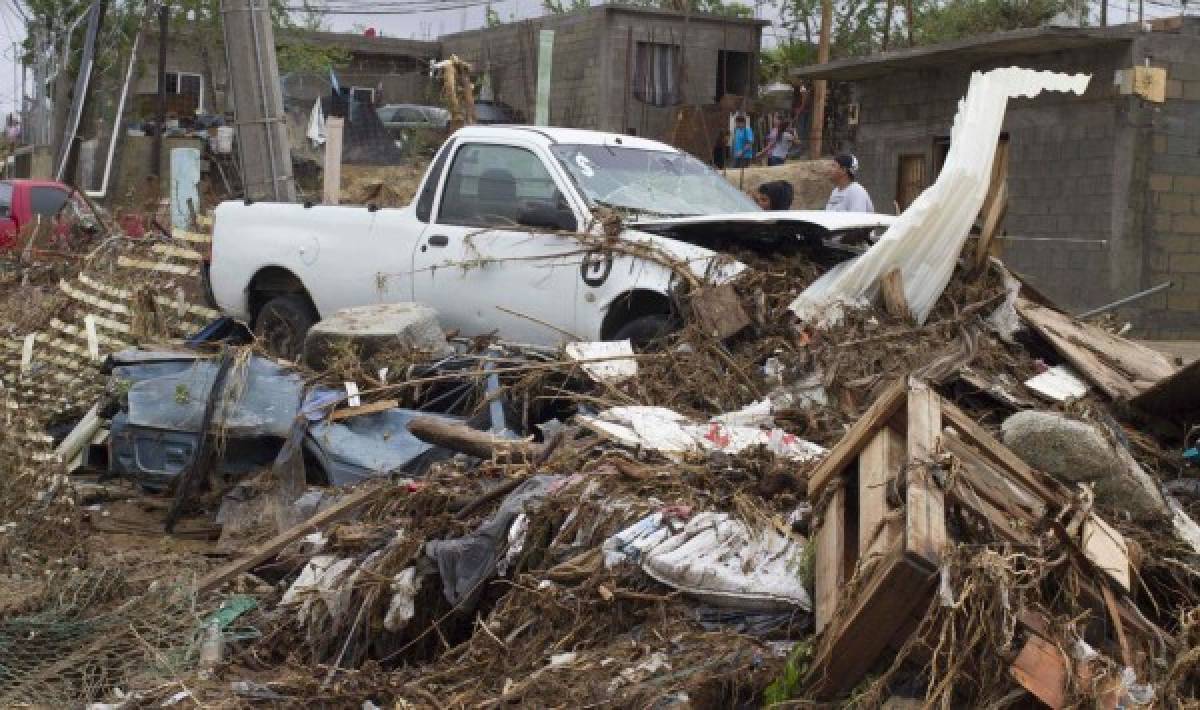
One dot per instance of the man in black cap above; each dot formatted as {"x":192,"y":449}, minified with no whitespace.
{"x":848,"y":195}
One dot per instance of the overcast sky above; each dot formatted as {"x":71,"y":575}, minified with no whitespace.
{"x":431,"y":25}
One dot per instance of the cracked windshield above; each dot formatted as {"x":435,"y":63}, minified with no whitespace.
{"x":650,"y":183}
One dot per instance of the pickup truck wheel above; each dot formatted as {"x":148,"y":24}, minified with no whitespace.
{"x":646,"y":331}
{"x":282,"y":324}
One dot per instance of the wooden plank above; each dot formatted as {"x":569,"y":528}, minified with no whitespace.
{"x":1175,"y":397}
{"x":899,"y":588}
{"x":1041,"y":669}
{"x":1044,"y":487}
{"x":851,"y":445}
{"x":894,"y":300}
{"x":925,"y":514}
{"x":480,"y":444}
{"x":270,"y":548}
{"x":372,"y":408}
{"x":878,"y":465}
{"x":830,"y":562}
{"x":992,"y":485}
{"x":1107,"y":549}
{"x":128,"y":263}
{"x":995,"y":204}
{"x":1121,"y":368}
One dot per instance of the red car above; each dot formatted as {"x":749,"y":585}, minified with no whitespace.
{"x":27,"y":202}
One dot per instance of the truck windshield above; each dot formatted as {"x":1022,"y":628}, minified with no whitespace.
{"x":650,"y":183}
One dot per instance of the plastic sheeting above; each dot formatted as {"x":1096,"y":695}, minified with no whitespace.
{"x":465,"y":562}
{"x":925,"y":242}
{"x":717,"y":559}
{"x":669,"y":432}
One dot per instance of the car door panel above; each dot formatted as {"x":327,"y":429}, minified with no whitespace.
{"x":480,"y":268}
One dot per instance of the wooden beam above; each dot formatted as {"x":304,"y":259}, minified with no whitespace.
{"x":851,"y":445}
{"x":992,"y":219}
{"x":270,"y":548}
{"x":878,"y":465}
{"x":830,"y":563}
{"x":925,"y":519}
{"x":464,"y":439}
{"x":894,"y":300}
{"x":1044,"y":487}
{"x":992,"y":485}
{"x":1121,"y":368}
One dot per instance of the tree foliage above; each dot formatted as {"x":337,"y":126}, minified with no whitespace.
{"x":727,"y":8}
{"x":859,"y":25}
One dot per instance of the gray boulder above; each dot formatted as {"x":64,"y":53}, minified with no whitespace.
{"x":369,"y":330}
{"x":1079,"y":452}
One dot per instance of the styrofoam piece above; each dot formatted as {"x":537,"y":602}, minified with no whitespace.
{"x":925,"y":242}
{"x":1058,"y":384}
{"x":609,"y":364}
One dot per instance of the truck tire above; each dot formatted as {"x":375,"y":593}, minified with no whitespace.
{"x":282,"y":324}
{"x":644,"y":332}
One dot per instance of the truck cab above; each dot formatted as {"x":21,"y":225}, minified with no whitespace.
{"x":504,"y":237}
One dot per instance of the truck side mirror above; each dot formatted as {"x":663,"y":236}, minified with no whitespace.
{"x":541,"y":215}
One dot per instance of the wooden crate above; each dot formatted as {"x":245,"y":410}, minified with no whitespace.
{"x":882,"y":495}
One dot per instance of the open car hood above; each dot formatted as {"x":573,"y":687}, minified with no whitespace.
{"x":805,"y":220}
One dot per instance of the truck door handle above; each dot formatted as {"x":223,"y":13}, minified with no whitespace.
{"x":439,"y":240}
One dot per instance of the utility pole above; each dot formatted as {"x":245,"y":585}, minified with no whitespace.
{"x":263,"y":148}
{"x":156,"y":153}
{"x":820,"y":87}
{"x":1104,"y":13}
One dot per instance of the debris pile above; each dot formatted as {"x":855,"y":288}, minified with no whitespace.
{"x":987,"y":508}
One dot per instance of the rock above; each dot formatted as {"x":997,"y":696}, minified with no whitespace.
{"x":1078,"y":452}
{"x":369,"y":330}
{"x":1065,"y":448}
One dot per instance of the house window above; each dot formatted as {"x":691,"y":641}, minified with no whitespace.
{"x":656,"y":74}
{"x":733,"y":73}
{"x":186,"y":83}
{"x":362,"y":93}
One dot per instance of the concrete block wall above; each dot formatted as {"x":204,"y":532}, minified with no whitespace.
{"x":1171,"y":204}
{"x":590,"y":84}
{"x":509,"y":53}
{"x":700,"y":40}
{"x":1067,"y":189}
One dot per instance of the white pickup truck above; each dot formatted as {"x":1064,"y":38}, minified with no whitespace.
{"x":485,"y":241}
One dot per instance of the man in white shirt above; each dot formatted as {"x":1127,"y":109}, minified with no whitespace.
{"x":848,"y":195}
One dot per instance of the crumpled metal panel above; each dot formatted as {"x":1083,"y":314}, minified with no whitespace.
{"x":925,"y":242}
{"x":270,"y":396}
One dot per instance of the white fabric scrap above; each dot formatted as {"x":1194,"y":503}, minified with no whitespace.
{"x":617,"y":369}
{"x":926,"y":240}
{"x":317,"y":584}
{"x":316,"y":124}
{"x":1058,"y":384}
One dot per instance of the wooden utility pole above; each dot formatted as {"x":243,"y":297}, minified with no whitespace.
{"x":820,"y":87}
{"x":887,"y":23}
{"x":156,"y":153}
{"x":262,"y":138}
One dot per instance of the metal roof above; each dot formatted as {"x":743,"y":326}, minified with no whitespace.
{"x":978,"y":49}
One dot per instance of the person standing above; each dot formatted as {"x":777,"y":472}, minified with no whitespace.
{"x":779,"y":142}
{"x":743,"y":142}
{"x":848,"y":195}
{"x":721,"y":149}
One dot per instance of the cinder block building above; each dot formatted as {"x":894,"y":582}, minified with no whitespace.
{"x":617,"y":67}
{"x":1104,"y":188}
